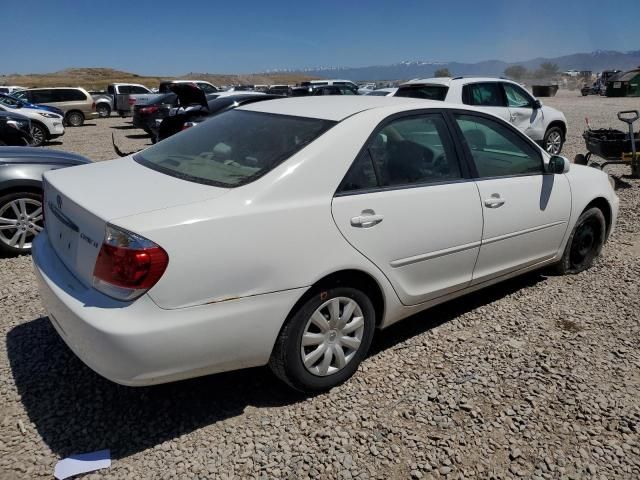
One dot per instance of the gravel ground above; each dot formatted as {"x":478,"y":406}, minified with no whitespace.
{"x":538,"y":377}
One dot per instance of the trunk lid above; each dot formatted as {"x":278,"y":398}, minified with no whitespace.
{"x":80,"y":201}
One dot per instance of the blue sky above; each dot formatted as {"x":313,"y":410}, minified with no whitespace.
{"x":175,"y":37}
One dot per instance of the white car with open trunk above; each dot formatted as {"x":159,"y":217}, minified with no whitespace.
{"x":286,"y":232}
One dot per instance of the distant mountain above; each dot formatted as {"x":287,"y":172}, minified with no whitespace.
{"x":595,"y":61}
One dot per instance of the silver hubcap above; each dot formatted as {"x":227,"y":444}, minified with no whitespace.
{"x":20,"y":221}
{"x":332,"y":336}
{"x":37,"y":135}
{"x":554,"y":142}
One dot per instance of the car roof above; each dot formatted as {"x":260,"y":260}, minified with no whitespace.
{"x":447,"y":81}
{"x":56,"y":88}
{"x":338,"y":107}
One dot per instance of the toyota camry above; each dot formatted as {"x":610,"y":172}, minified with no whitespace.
{"x":288,"y":232}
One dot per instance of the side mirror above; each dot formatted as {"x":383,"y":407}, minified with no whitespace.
{"x":558,"y":165}
{"x":536,"y":104}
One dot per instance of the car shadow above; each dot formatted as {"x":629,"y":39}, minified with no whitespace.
{"x":76,"y":410}
{"x":123,"y":127}
{"x":48,"y":144}
{"x":139,"y":135}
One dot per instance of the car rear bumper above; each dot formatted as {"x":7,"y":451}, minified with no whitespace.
{"x":139,"y":343}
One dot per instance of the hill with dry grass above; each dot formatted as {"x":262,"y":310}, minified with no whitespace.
{"x":99,"y":78}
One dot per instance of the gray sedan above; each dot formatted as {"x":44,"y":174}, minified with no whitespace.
{"x":21,"y":170}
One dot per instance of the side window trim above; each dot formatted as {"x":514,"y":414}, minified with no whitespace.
{"x":462,"y":142}
{"x":465,"y":174}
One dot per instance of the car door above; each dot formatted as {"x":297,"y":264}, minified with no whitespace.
{"x":522,"y":113}
{"x":487,"y":95}
{"x":526,"y":211}
{"x":408,"y":205}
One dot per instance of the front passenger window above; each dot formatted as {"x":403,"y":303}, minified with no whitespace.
{"x":496,"y":149}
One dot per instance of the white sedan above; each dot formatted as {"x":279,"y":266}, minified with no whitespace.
{"x":287,"y":232}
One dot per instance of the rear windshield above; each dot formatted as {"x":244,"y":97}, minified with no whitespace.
{"x":426,"y":92}
{"x":233,"y":148}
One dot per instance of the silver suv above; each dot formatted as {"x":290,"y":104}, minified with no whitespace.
{"x":75,"y":102}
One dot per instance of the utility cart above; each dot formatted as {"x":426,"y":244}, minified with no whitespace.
{"x":614,"y":146}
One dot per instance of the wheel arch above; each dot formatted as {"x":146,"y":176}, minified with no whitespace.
{"x":31,"y":186}
{"x":561,"y":125}
{"x":348,"y":278}
{"x":74,"y":110}
{"x":603,"y":205}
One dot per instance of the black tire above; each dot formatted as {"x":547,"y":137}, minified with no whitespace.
{"x":286,"y":359}
{"x":74,"y":119}
{"x":32,"y":200}
{"x":103,"y":110}
{"x":584,"y":244}
{"x":2,"y":144}
{"x":39,"y":134}
{"x":553,"y":138}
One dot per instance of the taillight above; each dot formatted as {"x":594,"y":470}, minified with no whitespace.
{"x":148,"y":110}
{"x":93,"y":106}
{"x":128,"y":265}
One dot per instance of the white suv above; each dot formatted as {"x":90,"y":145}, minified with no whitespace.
{"x":503,"y":98}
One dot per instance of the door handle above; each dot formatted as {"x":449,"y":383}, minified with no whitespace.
{"x":366,"y":219}
{"x":494,"y":201}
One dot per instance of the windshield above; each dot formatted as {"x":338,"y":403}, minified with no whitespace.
{"x":426,"y":92}
{"x":233,"y":148}
{"x":9,"y":101}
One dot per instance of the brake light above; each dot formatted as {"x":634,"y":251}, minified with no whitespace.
{"x":149,"y":110}
{"x":128,"y":265}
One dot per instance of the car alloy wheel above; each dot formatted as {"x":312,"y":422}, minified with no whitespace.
{"x":103,"y":111}
{"x":20,"y":221}
{"x":332,"y":336}
{"x":38,"y":135}
{"x":554,"y":142}
{"x":75,"y":119}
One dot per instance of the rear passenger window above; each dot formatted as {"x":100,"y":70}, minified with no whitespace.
{"x":496,"y":149}
{"x":426,"y":92}
{"x":138,"y":90}
{"x":408,"y":151}
{"x":483,"y":95}
{"x":69,"y":95}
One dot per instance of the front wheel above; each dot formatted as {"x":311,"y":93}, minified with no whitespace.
{"x":325,"y":340}
{"x":103,"y":110}
{"x":553,"y":141}
{"x":585,"y":243}
{"x":20,"y":221}
{"x":38,"y":135}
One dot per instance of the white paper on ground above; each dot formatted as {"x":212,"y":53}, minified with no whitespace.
{"x":82,"y":463}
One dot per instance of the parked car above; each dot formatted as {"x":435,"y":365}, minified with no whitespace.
{"x":383,"y":92}
{"x":10,"y":89}
{"x":21,"y":172}
{"x":145,"y":116}
{"x":15,"y":129}
{"x":287,"y":232}
{"x":192,"y":116}
{"x":283,"y":90}
{"x":76,"y":103}
{"x":206,"y":87}
{"x":45,"y":125}
{"x":10,"y":99}
{"x":121,"y":97}
{"x":323,"y":90}
{"x":318,"y":83}
{"x":504,"y":98}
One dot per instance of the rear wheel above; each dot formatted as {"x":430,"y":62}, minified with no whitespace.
{"x":325,"y":340}
{"x":75,"y":119}
{"x":21,"y":220}
{"x":103,"y":110}
{"x":585,"y":243}
{"x":38,"y":134}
